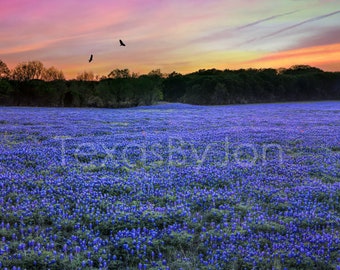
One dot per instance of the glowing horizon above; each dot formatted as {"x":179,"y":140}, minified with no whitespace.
{"x":182,"y":36}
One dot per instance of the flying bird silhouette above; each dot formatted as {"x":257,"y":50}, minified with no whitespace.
{"x":121,"y":43}
{"x":91,"y":58}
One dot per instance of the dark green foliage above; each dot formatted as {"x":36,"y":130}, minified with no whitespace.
{"x":204,"y":87}
{"x":173,"y":87}
{"x":213,"y":87}
{"x":6,"y":91}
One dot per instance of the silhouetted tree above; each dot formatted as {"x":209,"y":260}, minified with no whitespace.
{"x":6,"y":92}
{"x":52,"y":74}
{"x":221,"y":94}
{"x":4,"y":70}
{"x":119,"y":73}
{"x":30,"y":83}
{"x":156,"y":73}
{"x":148,"y":89}
{"x":174,"y":87}
{"x":86,"y":76}
{"x":108,"y":90}
{"x":28,"y":71}
{"x":301,"y":69}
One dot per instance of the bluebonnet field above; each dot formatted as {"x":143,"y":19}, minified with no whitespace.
{"x":170,"y":186}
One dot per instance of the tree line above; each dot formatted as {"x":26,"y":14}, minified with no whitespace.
{"x":31,"y":84}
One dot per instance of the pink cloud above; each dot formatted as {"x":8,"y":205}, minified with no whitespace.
{"x":174,"y":35}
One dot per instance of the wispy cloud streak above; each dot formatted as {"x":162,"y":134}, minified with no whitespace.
{"x":290,"y":27}
{"x":301,"y":23}
{"x":227,"y":32}
{"x":265,"y":19}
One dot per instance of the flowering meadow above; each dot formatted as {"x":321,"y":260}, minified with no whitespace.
{"x":171,"y":186}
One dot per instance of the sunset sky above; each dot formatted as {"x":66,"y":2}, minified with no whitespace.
{"x":170,"y":35}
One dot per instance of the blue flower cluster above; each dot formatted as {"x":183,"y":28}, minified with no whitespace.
{"x":170,"y":186}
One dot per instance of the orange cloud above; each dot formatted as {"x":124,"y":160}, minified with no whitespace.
{"x":327,"y":56}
